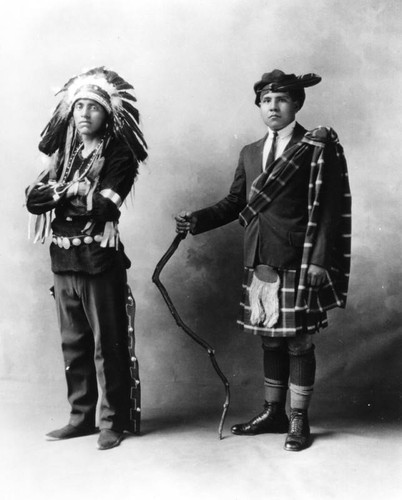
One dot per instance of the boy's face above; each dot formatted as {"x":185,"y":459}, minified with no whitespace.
{"x":278,"y":109}
{"x":89,"y":117}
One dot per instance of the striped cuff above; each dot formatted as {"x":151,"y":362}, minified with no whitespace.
{"x":112,"y":196}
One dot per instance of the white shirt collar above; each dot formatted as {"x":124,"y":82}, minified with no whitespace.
{"x":284,"y":132}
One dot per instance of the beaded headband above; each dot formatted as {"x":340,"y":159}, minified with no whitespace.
{"x":95,"y":93}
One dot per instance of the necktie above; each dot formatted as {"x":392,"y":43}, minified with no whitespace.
{"x":271,"y":154}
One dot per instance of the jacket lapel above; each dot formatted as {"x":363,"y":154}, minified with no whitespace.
{"x":256,"y":160}
{"x":254,"y":168}
{"x":297,"y":135}
{"x":258,"y":148}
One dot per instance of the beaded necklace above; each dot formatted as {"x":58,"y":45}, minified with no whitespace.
{"x":70,"y":163}
{"x":78,"y":149}
{"x":58,"y":191}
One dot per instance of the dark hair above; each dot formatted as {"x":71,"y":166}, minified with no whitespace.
{"x":298,"y":95}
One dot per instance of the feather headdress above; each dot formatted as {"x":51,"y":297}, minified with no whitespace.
{"x":113,"y":93}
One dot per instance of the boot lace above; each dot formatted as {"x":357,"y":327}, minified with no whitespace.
{"x":296,"y":423}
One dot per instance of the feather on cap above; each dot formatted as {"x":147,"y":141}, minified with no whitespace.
{"x":278,"y":81}
{"x":114,"y":94}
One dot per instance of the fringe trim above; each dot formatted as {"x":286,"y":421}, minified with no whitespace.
{"x":42,"y":226}
{"x":111,"y":236}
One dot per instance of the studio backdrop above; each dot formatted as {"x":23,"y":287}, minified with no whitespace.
{"x":193,"y":65}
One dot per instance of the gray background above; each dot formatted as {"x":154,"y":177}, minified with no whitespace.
{"x":193,"y":65}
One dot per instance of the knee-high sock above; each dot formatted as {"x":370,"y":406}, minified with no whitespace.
{"x":276,"y":374}
{"x":302,"y":377}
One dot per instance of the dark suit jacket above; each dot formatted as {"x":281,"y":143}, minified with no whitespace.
{"x":276,"y":235}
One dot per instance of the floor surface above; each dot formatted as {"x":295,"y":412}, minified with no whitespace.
{"x":179,"y":456}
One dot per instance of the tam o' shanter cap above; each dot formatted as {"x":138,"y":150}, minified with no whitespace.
{"x":278,"y":81}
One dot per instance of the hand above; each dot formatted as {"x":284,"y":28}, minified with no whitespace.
{"x":72,"y":190}
{"x":183,"y":222}
{"x":78,"y":188}
{"x":83,"y":187}
{"x":316,"y":275}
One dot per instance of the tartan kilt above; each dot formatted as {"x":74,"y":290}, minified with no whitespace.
{"x":290,"y":322}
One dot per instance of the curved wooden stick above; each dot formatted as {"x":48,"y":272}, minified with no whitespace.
{"x":211,"y":352}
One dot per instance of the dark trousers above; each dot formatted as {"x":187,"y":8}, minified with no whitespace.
{"x":93,"y":325}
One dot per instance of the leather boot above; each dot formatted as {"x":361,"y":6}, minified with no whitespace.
{"x":272,"y":420}
{"x":71,"y":431}
{"x":299,"y":431}
{"x":109,"y":438}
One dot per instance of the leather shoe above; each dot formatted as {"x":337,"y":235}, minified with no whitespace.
{"x":71,"y":431}
{"x":299,"y":431}
{"x":109,"y":439}
{"x":272,"y":420}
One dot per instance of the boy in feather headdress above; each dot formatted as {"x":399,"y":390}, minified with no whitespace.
{"x":291,"y":194}
{"x":95,"y":146}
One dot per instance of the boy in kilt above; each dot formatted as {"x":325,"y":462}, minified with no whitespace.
{"x":291,"y":194}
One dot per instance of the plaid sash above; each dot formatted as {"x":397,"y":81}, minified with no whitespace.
{"x":266,"y":187}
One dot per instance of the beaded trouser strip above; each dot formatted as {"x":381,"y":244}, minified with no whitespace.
{"x":135,"y":386}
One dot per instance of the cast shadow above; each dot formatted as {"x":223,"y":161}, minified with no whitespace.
{"x":172,"y":422}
